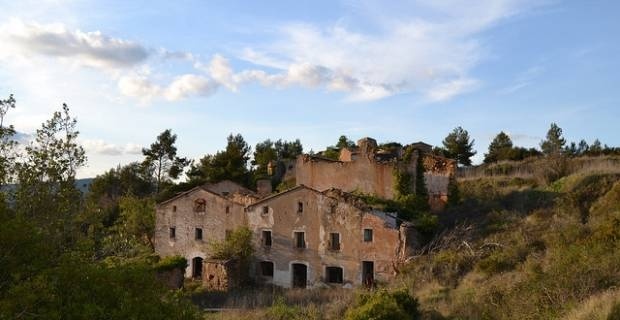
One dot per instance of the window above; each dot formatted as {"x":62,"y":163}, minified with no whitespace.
{"x":332,"y":209}
{"x":225,"y":193}
{"x":333,"y":275}
{"x":367,"y":235}
{"x":227,"y":209}
{"x":198,"y":234}
{"x":300,"y":240}
{"x":266,"y":268}
{"x":300,"y":207}
{"x":200,"y":205}
{"x":265,"y":209}
{"x":172,"y":232}
{"x":227,"y":234}
{"x":334,"y":241}
{"x":174,"y":208}
{"x":267,"y":238}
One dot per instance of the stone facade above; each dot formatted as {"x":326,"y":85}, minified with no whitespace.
{"x":333,"y":249}
{"x":314,"y":234}
{"x":187,"y":223}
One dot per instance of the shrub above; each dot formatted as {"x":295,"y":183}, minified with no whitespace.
{"x":614,"y":314}
{"x":385,"y":305}
{"x":170,"y":263}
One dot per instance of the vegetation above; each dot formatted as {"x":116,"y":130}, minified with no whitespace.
{"x":161,"y":158}
{"x":457,"y":145}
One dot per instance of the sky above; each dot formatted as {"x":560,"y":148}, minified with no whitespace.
{"x":314,"y":70}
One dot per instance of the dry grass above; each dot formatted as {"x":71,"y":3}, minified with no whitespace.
{"x":596,"y":307}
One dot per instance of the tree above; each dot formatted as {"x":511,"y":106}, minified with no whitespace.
{"x":554,"y":143}
{"x":457,"y":146}
{"x":333,"y":152}
{"x":137,"y":218}
{"x":499,"y":149}
{"x":230,"y":164}
{"x":595,"y":149}
{"x":46,"y":191}
{"x":162,"y":158}
{"x":7,"y":143}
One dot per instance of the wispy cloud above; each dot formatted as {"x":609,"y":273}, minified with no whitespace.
{"x":431,"y":55}
{"x":523,"y":80}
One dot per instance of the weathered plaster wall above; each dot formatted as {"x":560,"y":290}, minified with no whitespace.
{"x":363,"y":174}
{"x":214,"y":223}
{"x":321,"y":216}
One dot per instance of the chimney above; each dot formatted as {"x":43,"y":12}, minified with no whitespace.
{"x":263,"y":187}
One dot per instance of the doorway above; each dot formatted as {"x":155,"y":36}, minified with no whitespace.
{"x":197,"y":268}
{"x":368,"y":273}
{"x":300,"y":275}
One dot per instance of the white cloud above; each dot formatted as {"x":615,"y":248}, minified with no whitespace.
{"x":101,"y":147}
{"x":447,"y":90}
{"x":92,"y":49}
{"x":181,"y":87}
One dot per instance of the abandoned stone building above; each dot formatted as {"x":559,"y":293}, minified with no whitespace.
{"x":314,"y":234}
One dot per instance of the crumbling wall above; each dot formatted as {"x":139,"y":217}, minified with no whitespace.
{"x":321,"y":216}
{"x":179,"y":213}
{"x":364,"y":175}
{"x":220,"y":275}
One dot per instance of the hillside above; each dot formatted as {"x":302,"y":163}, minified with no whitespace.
{"x":514,"y":247}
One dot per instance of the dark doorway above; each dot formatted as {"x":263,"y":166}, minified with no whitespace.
{"x":300,"y":275}
{"x":197,"y":268}
{"x":368,"y":273}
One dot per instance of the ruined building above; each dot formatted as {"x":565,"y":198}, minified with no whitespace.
{"x":317,"y":233}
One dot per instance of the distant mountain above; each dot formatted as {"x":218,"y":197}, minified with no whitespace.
{"x":82,"y":184}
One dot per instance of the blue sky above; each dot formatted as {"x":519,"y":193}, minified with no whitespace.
{"x":395,"y":71}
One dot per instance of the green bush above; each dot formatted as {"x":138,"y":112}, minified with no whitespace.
{"x":384,"y":305}
{"x":170,"y":263}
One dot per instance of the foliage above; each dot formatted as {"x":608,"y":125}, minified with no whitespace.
{"x":457,"y":146}
{"x":161,"y":157}
{"x":230,"y":164}
{"x":238,"y":245}
{"x":554,"y":143}
{"x":137,"y":218}
{"x":333,"y":152}
{"x":274,"y":152}
{"x":46,"y":191}
{"x":8,"y":145}
{"x":170,"y":263}
{"x":386,"y":305}
{"x":499,"y":149}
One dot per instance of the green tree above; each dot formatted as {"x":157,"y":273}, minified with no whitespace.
{"x":554,"y":143}
{"x":137,"y":219}
{"x":162,"y":158}
{"x":457,"y":146}
{"x":596,"y":148}
{"x":333,"y":152}
{"x":230,"y":164}
{"x":46,"y":191}
{"x":500,"y":149}
{"x":8,"y":144}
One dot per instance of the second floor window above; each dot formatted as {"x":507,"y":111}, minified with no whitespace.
{"x":300,"y":240}
{"x":200,"y":205}
{"x":300,"y":207}
{"x":198,"y":234}
{"x":334,"y":241}
{"x":267,"y":238}
{"x":367,"y":235}
{"x":172,"y":232}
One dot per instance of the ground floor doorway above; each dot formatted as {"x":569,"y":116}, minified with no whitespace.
{"x":300,"y":275}
{"x":197,"y":268}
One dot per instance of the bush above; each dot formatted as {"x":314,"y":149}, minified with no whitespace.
{"x":614,"y":314}
{"x":385,"y":305}
{"x":170,"y":263}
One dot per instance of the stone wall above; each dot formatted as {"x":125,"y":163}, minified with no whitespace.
{"x":321,"y":216}
{"x":179,"y":213}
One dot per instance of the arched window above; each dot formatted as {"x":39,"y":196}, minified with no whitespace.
{"x":200,"y":205}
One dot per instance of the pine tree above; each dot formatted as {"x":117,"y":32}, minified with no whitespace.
{"x":554,"y":144}
{"x":499,"y":149}
{"x":457,"y":146}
